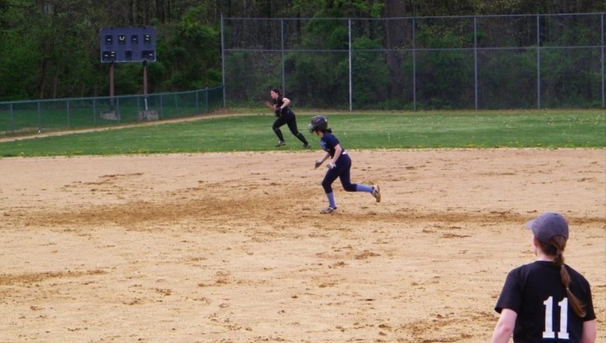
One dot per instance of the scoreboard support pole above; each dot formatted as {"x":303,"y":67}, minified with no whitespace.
{"x":111,"y":86}
{"x":145,"y":83}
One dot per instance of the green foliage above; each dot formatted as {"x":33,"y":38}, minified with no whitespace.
{"x":567,"y":78}
{"x":335,"y":8}
{"x":252,"y":88}
{"x":503,"y":74}
{"x":55,"y":49}
{"x":50,"y":49}
{"x":17,"y":70}
{"x":370,"y":75}
{"x":320,"y":79}
{"x":446,"y":76}
{"x":193,"y":51}
{"x":128,"y":79}
{"x":325,"y":34}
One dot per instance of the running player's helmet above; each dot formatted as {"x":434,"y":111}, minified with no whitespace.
{"x":318,"y":123}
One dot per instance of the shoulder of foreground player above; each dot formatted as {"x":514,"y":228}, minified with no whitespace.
{"x":575,"y":275}
{"x":525,"y":270}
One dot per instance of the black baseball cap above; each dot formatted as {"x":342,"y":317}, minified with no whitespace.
{"x":547,"y":225}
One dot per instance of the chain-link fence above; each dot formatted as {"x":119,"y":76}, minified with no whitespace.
{"x":23,"y":117}
{"x":470,"y":62}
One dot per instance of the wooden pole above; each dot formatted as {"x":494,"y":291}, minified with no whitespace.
{"x":145,"y":83}
{"x":111,"y":86}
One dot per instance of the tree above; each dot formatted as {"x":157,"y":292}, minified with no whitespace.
{"x":395,"y":31}
{"x":50,"y":48}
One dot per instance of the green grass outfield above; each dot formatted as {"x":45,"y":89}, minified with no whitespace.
{"x":369,"y":130}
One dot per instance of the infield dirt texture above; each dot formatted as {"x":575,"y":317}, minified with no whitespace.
{"x":231,"y":247}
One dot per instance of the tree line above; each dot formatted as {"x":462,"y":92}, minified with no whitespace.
{"x":50,"y":48}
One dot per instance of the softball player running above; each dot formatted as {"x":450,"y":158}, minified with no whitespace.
{"x":284,"y":116}
{"x":339,"y":165}
{"x":547,"y":300}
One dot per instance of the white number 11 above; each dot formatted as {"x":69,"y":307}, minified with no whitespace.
{"x":548,"y":333}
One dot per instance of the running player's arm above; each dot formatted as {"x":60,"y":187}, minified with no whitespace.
{"x":268,"y":104}
{"x":504,"y":329}
{"x":326,"y":156}
{"x":285,"y":102}
{"x":320,"y":161}
{"x":338,"y":151}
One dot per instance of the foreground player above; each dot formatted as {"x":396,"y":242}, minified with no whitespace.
{"x":546,"y":301}
{"x":284,"y":116}
{"x":339,"y":165}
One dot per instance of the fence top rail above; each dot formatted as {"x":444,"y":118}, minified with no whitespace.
{"x":30,"y":101}
{"x":427,"y":17}
{"x":530,"y":47}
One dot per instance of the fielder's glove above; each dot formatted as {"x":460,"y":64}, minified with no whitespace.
{"x":317,"y":164}
{"x":331,"y":166}
{"x":277,"y":112}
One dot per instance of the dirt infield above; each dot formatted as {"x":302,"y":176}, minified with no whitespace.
{"x":231,"y":247}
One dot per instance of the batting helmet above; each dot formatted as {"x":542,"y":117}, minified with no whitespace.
{"x":318,"y":123}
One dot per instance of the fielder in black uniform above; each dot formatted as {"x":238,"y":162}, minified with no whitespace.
{"x":339,"y":165}
{"x":284,"y":116}
{"x":547,"y":300}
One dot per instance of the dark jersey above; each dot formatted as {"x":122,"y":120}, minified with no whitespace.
{"x":329,"y":142}
{"x":279,"y":101}
{"x":544,"y":314}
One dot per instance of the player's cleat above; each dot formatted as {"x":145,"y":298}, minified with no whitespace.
{"x":280,"y":143}
{"x":328,"y":210}
{"x":306,"y":146}
{"x":376,"y":192}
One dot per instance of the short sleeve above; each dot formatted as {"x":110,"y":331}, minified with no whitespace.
{"x":511,"y":294}
{"x":332,"y":141}
{"x":590,"y":312}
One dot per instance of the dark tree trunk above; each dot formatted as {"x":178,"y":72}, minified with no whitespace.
{"x":394,"y":40}
{"x":160,"y":11}
{"x":42,"y":79}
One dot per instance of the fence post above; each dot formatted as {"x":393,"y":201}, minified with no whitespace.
{"x":206,"y":105}
{"x":69,"y":125}
{"x":282,"y":56}
{"x":475,"y":58}
{"x":197,"y":102}
{"x":414,"y":65}
{"x":118,"y":109}
{"x":538,"y":62}
{"x":11,"y":123}
{"x":603,"y":61}
{"x":94,"y":111}
{"x":350,"y":68}
{"x":39,"y":117}
{"x":222,"y":65}
{"x":162,"y":104}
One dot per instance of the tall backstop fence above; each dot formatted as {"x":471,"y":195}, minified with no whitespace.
{"x":469,"y":62}
{"x":24,"y":117}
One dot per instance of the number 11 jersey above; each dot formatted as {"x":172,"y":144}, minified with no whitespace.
{"x":535,"y":292}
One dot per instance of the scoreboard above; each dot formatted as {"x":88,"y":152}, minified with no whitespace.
{"x":127,"y":44}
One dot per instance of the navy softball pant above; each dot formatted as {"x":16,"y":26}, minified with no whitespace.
{"x":342,"y":172}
